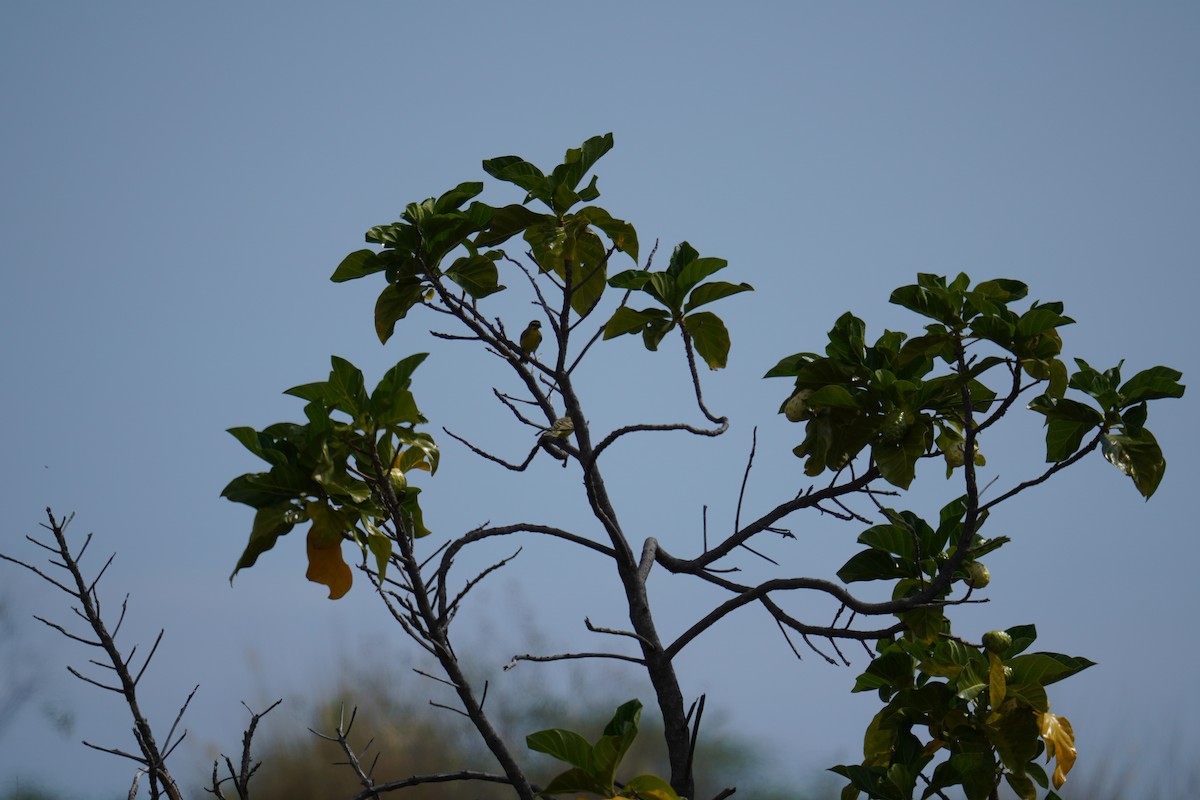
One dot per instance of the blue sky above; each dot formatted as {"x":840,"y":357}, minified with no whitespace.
{"x":180,"y":181}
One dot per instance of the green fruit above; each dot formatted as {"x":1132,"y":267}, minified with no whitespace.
{"x":895,"y":424}
{"x":977,"y":575}
{"x":997,"y":641}
{"x":398,"y":480}
{"x":797,"y":405}
{"x":956,"y":454}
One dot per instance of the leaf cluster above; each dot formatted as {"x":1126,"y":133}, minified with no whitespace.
{"x":322,"y":472}
{"x":594,"y":766}
{"x":984,"y":712}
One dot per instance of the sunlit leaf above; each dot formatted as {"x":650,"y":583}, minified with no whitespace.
{"x":1060,"y":745}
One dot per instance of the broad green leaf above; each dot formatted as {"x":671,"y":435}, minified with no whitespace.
{"x":710,"y":337}
{"x":627,"y":320}
{"x":892,"y":670}
{"x":357,"y":265}
{"x":835,"y":396}
{"x":1045,"y":668}
{"x":263,"y":489}
{"x":929,"y":303}
{"x":269,"y":524}
{"x":1031,"y":694}
{"x":577,"y":780}
{"x":380,"y":547}
{"x":507,"y":222}
{"x":393,"y":304}
{"x":681,"y":256}
{"x":1151,"y":384}
{"x":1064,"y":437}
{"x":630,"y":279}
{"x":453,"y":199}
{"x":655,"y":330}
{"x":1138,"y":456}
{"x":477,"y":275}
{"x":564,"y":745}
{"x":714,"y":290}
{"x":697,"y":270}
{"x":622,"y":234}
{"x":516,"y":170}
{"x":1022,"y":785}
{"x":579,"y":160}
{"x":347,"y":391}
{"x":973,"y":771}
{"x":872,"y":565}
{"x":1014,"y":732}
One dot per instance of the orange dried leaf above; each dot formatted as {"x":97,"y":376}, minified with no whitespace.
{"x":1060,"y":744}
{"x":326,"y":566}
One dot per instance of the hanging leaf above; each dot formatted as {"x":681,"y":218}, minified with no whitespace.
{"x":1060,"y":745}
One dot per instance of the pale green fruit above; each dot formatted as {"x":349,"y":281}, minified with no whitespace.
{"x":797,"y":405}
{"x":977,"y":575}
{"x":895,"y":424}
{"x":997,"y":641}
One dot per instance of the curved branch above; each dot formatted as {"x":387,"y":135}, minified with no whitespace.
{"x":691,"y":358}
{"x":816,"y":584}
{"x":672,"y":426}
{"x":1020,"y":487}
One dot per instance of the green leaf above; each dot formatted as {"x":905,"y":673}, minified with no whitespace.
{"x":655,"y":330}
{"x":622,"y":234}
{"x":518,"y":171}
{"x":579,"y":160}
{"x":507,"y":222}
{"x":393,"y":304}
{"x":1045,"y":668}
{"x":713,"y":291}
{"x":835,"y":396}
{"x":633,"y":279}
{"x":269,"y":524}
{"x":577,"y":780}
{"x":262,"y":489}
{"x":1064,"y":437}
{"x":453,"y":199}
{"x":1138,"y":456}
{"x":357,"y":265}
{"x":681,"y":256}
{"x":564,"y":745}
{"x":347,"y":391}
{"x":627,"y":320}
{"x":477,"y":274}
{"x":697,"y":270}
{"x":710,"y":337}
{"x":872,"y":565}
{"x":1151,"y":384}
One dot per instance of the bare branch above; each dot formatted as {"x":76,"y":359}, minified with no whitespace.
{"x":496,"y":459}
{"x":571,"y":656}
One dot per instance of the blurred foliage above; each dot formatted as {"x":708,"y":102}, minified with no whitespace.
{"x":408,"y":736}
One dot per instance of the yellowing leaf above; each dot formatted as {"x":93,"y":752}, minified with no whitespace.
{"x":325,"y":564}
{"x":997,"y":686}
{"x":327,"y":525}
{"x":1060,"y":744}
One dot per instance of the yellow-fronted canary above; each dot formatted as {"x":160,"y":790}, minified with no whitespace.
{"x":530,"y":339}
{"x":561,"y":429}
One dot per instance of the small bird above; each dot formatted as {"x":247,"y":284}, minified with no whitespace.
{"x":561,"y":429}
{"x":530,"y":339}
